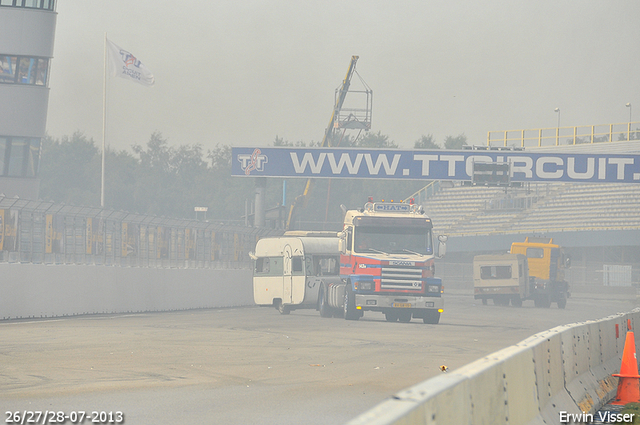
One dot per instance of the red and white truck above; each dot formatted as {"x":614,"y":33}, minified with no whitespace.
{"x":387,"y":264}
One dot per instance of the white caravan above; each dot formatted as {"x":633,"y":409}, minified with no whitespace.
{"x":289,"y":270}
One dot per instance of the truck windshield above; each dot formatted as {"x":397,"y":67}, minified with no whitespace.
{"x":393,"y":240}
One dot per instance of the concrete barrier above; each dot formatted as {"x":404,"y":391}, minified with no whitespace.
{"x":567,"y":368}
{"x":30,"y":290}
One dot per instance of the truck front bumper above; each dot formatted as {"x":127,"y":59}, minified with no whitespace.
{"x":378,"y":302}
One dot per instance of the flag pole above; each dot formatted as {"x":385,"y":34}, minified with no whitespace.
{"x":104,"y":118}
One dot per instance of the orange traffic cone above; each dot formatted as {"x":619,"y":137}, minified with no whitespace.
{"x":628,"y":378}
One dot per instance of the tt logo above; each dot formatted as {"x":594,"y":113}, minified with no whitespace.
{"x":255,"y":161}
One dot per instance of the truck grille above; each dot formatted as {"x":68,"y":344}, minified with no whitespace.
{"x":401,"y":278}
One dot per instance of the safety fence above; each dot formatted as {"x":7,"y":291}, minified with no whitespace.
{"x":556,"y":136}
{"x":565,"y":370}
{"x":424,"y":194}
{"x":42,"y":232}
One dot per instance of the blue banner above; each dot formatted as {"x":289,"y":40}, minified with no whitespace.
{"x":431,"y":165}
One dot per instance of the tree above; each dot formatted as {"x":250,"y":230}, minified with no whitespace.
{"x":426,"y":142}
{"x":171,"y":181}
{"x":375,"y":140}
{"x":457,"y":142}
{"x":121,"y":181}
{"x":70,"y":170}
{"x":279,"y":141}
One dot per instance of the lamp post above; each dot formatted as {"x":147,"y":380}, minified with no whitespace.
{"x":628,"y":105}
{"x":557,"y":110}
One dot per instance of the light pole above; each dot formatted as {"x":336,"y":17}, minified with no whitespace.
{"x":628,"y":105}
{"x":557,"y":110}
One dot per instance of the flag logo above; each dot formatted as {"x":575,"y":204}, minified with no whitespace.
{"x":124,"y":64}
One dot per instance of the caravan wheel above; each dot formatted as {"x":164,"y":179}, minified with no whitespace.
{"x":283,"y":309}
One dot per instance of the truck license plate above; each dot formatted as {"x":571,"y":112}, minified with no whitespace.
{"x":402,"y":305}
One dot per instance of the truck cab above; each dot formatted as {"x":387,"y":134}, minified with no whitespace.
{"x":547,"y":265}
{"x":387,"y":263}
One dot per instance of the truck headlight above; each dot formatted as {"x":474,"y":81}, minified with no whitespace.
{"x":434,"y":288}
{"x":365,"y":285}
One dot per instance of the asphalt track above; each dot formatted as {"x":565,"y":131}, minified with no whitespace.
{"x":252,"y":365}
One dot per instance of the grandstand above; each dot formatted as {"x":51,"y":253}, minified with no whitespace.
{"x":538,"y":208}
{"x":598,"y":223}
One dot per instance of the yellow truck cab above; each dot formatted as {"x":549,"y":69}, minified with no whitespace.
{"x":547,"y":263}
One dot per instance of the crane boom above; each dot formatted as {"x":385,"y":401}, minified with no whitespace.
{"x":326,"y":141}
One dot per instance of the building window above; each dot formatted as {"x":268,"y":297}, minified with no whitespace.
{"x":33,"y":158}
{"x":23,"y":70}
{"x":8,"y":68}
{"x":30,"y":4}
{"x":4,"y":154}
{"x":41,"y":72}
{"x":19,"y":156}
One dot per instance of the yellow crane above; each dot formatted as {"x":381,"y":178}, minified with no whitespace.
{"x":354,"y":119}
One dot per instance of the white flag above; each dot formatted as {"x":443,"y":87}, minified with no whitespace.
{"x":125,"y":65}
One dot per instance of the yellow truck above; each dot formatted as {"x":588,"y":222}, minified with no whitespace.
{"x":533,"y":270}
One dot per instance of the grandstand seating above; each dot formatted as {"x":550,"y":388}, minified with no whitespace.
{"x":468,"y":210}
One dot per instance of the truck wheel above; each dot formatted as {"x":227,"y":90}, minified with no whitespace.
{"x":283,"y":309}
{"x":391,"y":316}
{"x":431,"y":317}
{"x":404,"y":316}
{"x":350,"y":312}
{"x":323,"y":306}
{"x":542,"y":301}
{"x":516,"y":302}
{"x":562,"y":303}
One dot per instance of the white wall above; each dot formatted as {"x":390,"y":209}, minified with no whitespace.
{"x":567,"y":368}
{"x":30,"y":290}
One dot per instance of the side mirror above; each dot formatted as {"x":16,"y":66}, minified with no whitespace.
{"x":342,"y":246}
{"x":252,"y":256}
{"x":345,"y":240}
{"x":442,"y":245}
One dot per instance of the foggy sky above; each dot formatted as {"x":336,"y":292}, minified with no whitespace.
{"x":241,"y":72}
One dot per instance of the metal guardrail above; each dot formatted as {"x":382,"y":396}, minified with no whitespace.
{"x":425,"y":193}
{"x":43,"y":232}
{"x":555,"y":136}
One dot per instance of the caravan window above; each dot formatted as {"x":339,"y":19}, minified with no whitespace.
{"x":495,"y":272}
{"x":269,"y":266}
{"x":296,"y":265}
{"x":326,"y":265}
